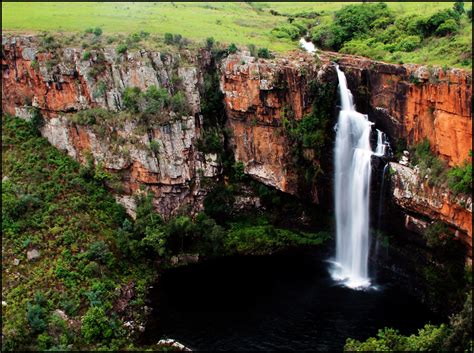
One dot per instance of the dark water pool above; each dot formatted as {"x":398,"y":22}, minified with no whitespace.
{"x":284,"y":302}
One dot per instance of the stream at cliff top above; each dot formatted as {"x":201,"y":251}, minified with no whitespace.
{"x":279,"y":302}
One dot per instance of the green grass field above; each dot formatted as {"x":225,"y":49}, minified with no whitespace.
{"x":237,"y":22}
{"x":242,"y":23}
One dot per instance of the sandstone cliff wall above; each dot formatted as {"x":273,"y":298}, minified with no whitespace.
{"x":172,"y":169}
{"x":409,"y":102}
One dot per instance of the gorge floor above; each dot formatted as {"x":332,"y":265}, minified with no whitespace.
{"x":279,"y":302}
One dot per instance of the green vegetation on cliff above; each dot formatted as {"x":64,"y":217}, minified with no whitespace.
{"x":437,"y":172}
{"x":453,"y":337}
{"x":60,"y":252}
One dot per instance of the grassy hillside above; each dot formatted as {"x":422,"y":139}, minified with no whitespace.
{"x":264,"y":24}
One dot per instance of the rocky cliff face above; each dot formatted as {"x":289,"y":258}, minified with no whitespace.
{"x":158,"y":156}
{"x":413,"y":102}
{"x":258,"y":96}
{"x":424,"y":203}
{"x":408,"y":102}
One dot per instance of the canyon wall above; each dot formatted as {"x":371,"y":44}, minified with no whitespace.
{"x":408,"y":102}
{"x":157,"y":155}
{"x":261,"y":96}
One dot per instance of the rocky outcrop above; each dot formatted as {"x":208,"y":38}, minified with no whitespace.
{"x":259,"y":96}
{"x":414,"y":102}
{"x":420,"y":200}
{"x":157,"y":156}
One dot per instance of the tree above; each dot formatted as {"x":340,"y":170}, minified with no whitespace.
{"x":459,"y":6}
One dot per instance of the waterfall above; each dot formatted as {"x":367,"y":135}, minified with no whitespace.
{"x":381,"y":144}
{"x":352,"y":183}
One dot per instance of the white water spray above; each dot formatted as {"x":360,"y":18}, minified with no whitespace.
{"x":352,"y":182}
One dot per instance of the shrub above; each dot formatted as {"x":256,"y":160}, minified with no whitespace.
{"x":437,"y":235}
{"x":209,"y":43}
{"x":36,"y":318}
{"x":37,"y":120}
{"x":232,"y":49}
{"x":121,"y":49}
{"x":86,"y":55}
{"x":218,"y":203}
{"x":460,"y":178}
{"x":155,"y":146}
{"x":97,"y":31}
{"x":210,"y":142}
{"x":429,"y":165}
{"x":291,"y":31}
{"x":131,"y":99}
{"x":89,"y":30}
{"x":212,"y":106}
{"x":179,"y":104}
{"x":264,"y":53}
{"x":408,"y":43}
{"x":448,"y":27}
{"x":35,"y":65}
{"x":96,"y":325}
{"x":168,"y":38}
{"x":458,"y":6}
{"x":156,"y":99}
{"x":253,"y":50}
{"x":239,"y":171}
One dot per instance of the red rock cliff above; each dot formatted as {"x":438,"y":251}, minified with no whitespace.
{"x":409,"y":102}
{"x":159,"y":157}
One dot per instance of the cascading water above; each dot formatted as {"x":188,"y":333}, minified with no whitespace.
{"x":381,"y":144}
{"x":352,"y":182}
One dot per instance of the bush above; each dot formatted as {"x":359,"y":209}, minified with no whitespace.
{"x":179,"y":104}
{"x":460,"y":178}
{"x":448,"y":27}
{"x":264,"y":53}
{"x":155,"y":147}
{"x":437,"y":235}
{"x":96,"y":325}
{"x":408,"y":43}
{"x":210,"y":142}
{"x":36,"y":318}
{"x":37,"y":120}
{"x":121,"y":49}
{"x":131,"y":99}
{"x":101,"y":89}
{"x":429,"y":165}
{"x":239,"y":171}
{"x":209,"y":43}
{"x":429,"y":338}
{"x":89,"y":30}
{"x":168,"y":38}
{"x":97,"y":31}
{"x":218,"y":203}
{"x":253,"y":50}
{"x":99,"y":251}
{"x":291,"y":31}
{"x":156,"y":99}
{"x":86,"y":55}
{"x":459,"y":7}
{"x":232,"y":49}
